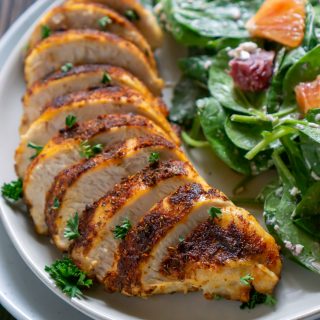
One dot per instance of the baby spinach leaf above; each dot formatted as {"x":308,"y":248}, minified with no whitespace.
{"x":278,"y":208}
{"x":214,"y":19}
{"x":310,"y":38}
{"x":305,"y":69}
{"x":184,"y":100}
{"x":196,"y":68}
{"x":307,"y":214}
{"x":311,"y":154}
{"x":221,"y":85}
{"x":246,"y":136}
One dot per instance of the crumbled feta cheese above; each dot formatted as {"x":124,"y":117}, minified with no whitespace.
{"x":294,"y":191}
{"x":248,"y":46}
{"x":315,"y":176}
{"x":279,"y":192}
{"x":295,"y":249}
{"x":276,"y":227}
{"x":270,"y":117}
{"x":300,"y":126}
{"x":317,"y":117}
{"x":313,"y":125}
{"x":207,"y":64}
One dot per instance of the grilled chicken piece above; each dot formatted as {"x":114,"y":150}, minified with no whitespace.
{"x":77,"y":79}
{"x":145,"y":21}
{"x":63,"y":151}
{"x":96,"y":251}
{"x":86,"y":182}
{"x":213,"y":258}
{"x":78,"y":47}
{"x":88,"y":16}
{"x":85,"y":105}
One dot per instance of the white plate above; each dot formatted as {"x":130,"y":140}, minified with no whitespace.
{"x":298,"y":293}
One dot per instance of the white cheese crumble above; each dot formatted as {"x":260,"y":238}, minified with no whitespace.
{"x":243,"y":51}
{"x":294,"y":191}
{"x":300,"y":126}
{"x":317,"y":117}
{"x":295,"y":249}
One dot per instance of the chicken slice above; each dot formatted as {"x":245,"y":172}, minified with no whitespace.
{"x":86,"y":182}
{"x":143,"y":19}
{"x":75,"y":47}
{"x":143,"y":268}
{"x":64,"y":149}
{"x":95,"y":252}
{"x":90,"y":16}
{"x":77,"y":79}
{"x":85,"y":105}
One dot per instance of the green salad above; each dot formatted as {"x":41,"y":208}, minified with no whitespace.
{"x":254,"y":124}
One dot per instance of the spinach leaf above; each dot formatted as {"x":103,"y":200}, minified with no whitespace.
{"x":221,"y":85}
{"x":184,"y":107}
{"x":305,"y":69}
{"x":212,"y":119}
{"x":212,"y":19}
{"x":278,"y":208}
{"x":196,"y":68}
{"x":310,"y":38}
{"x":284,"y":60}
{"x":307,"y":214}
{"x":246,"y":136}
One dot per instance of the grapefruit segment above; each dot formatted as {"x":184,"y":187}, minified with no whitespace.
{"x":308,"y":95}
{"x":282,"y":21}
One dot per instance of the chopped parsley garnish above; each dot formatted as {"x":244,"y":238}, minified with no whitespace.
{"x":68,"y":277}
{"x":67,"y":67}
{"x":12,"y":191}
{"x":88,"y":151}
{"x":258,"y":298}
{"x":106,"y":78}
{"x":214,"y":212}
{"x":104,"y":21}
{"x":218,"y":297}
{"x":56,"y":204}
{"x":154,"y":157}
{"x":121,"y":231}
{"x":131,"y":15}
{"x":181,"y":239}
{"x":71,"y":231}
{"x":45,"y":31}
{"x":246,"y":280}
{"x":36,"y":147}
{"x":71,"y":121}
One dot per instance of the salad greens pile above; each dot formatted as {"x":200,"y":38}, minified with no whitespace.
{"x":253,"y":132}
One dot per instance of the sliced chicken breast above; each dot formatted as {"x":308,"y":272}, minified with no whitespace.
{"x":75,"y":47}
{"x":143,"y":19}
{"x":143,"y":268}
{"x":64,"y":150}
{"x":95,"y":252}
{"x":78,"y":16}
{"x":86,"y":182}
{"x":85,"y":105}
{"x":77,"y":79}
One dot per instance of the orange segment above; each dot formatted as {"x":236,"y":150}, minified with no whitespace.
{"x":308,"y":95}
{"x":282,"y":21}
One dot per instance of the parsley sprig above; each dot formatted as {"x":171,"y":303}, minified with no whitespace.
{"x":36,"y":147}
{"x":104,"y":21}
{"x":56,"y":204}
{"x":88,"y":151}
{"x":71,"y":231}
{"x":131,"y":15}
{"x":106,"y":78}
{"x":68,"y":277}
{"x":45,"y":31}
{"x":121,"y":231}
{"x":246,"y":280}
{"x":214,"y":212}
{"x":154,"y":157}
{"x":71,"y":120}
{"x":13,"y":190}
{"x":258,"y":298}
{"x":67,"y":67}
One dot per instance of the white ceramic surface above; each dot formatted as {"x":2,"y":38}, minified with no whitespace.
{"x":298,"y":293}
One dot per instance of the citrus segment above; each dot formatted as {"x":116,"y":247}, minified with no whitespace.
{"x":282,"y":21}
{"x":308,"y":95}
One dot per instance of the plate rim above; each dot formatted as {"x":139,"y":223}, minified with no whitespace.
{"x":37,"y":9}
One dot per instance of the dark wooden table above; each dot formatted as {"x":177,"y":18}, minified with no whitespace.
{"x":10,"y":10}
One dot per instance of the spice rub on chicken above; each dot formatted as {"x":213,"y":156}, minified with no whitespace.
{"x":102,"y":172}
